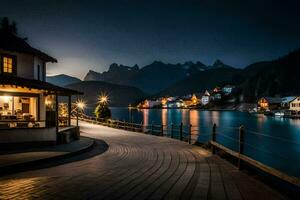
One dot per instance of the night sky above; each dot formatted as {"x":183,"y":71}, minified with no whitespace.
{"x":85,"y":35}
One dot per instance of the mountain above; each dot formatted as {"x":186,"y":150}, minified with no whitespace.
{"x":219,"y":64}
{"x":151,"y":78}
{"x":62,"y":80}
{"x":201,"y":81}
{"x":278,"y":77}
{"x":271,"y":78}
{"x":118,"y":95}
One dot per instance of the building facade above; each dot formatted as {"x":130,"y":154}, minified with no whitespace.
{"x":295,"y":104}
{"x":26,"y":100}
{"x":269,"y":103}
{"x":205,"y":99}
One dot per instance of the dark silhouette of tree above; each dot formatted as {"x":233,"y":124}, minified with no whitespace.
{"x":102,"y":111}
{"x":8,"y":27}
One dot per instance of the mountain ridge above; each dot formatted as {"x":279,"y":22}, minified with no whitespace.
{"x":62,"y":80}
{"x":151,"y":78}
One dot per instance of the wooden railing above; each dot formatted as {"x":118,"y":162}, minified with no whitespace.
{"x":241,"y":157}
{"x":153,"y":129}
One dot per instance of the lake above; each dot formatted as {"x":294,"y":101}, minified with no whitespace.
{"x":270,"y":140}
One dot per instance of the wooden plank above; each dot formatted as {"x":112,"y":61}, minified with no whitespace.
{"x":290,"y":179}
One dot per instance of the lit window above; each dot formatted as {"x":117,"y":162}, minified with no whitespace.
{"x":7,"y":65}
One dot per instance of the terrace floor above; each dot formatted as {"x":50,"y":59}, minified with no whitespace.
{"x":138,"y":166}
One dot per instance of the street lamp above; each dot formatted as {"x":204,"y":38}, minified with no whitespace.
{"x":80,"y":104}
{"x":103,"y":99}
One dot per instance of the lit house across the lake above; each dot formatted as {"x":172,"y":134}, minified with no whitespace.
{"x":269,"y":103}
{"x":295,"y":104}
{"x":28,"y":104}
{"x":286,"y":102}
{"x":205,"y":99}
{"x":227,"y":89}
{"x":191,"y":100}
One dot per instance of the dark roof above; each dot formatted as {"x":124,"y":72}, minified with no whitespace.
{"x":36,"y":84}
{"x":11,"y":42}
{"x":273,"y":99}
{"x":288,"y":99}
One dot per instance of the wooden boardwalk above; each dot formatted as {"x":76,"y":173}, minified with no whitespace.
{"x":138,"y":166}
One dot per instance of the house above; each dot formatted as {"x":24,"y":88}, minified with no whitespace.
{"x":269,"y":103}
{"x":164,"y":102}
{"x":150,"y":104}
{"x":295,"y":104}
{"x":227,"y":89}
{"x":285,"y":103}
{"x":191,"y":100}
{"x":216,"y":95}
{"x":28,"y":104}
{"x":205,"y":99}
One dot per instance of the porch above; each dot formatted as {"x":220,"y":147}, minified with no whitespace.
{"x":32,"y":110}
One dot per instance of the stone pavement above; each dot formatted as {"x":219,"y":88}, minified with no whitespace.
{"x":137,"y":166}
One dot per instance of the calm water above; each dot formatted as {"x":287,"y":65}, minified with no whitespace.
{"x":279,"y":146}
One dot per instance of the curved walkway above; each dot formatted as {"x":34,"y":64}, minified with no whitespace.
{"x":137,"y":166}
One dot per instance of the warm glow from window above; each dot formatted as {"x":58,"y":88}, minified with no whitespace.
{"x":7,"y":65}
{"x":5,"y":99}
{"x":164,"y":101}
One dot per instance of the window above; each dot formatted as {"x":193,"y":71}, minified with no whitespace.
{"x":7,"y":65}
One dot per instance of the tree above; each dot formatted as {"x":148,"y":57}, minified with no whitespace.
{"x":102,"y":111}
{"x":8,"y":27}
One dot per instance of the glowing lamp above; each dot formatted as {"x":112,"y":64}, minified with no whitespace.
{"x":103,"y":99}
{"x":80,"y":104}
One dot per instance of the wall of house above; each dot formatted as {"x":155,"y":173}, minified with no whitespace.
{"x":28,"y":135}
{"x":39,"y":69}
{"x":263,"y":103}
{"x":27,"y":65}
{"x":24,"y":64}
{"x":205,"y":100}
{"x":295,"y":105}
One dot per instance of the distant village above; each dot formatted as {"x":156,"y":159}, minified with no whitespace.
{"x":218,"y":96}
{"x":227,"y":98}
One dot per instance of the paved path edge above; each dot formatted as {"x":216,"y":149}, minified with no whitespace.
{"x":20,"y":167}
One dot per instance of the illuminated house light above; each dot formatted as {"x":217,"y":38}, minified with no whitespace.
{"x":164,"y":101}
{"x":6,"y":99}
{"x":48,"y":102}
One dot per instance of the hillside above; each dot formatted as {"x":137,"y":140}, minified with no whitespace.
{"x":151,"y":78}
{"x":279,"y":77}
{"x":118,"y":95}
{"x":201,"y":81}
{"x":62,"y":80}
{"x":118,"y":74}
{"x":271,"y":78}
